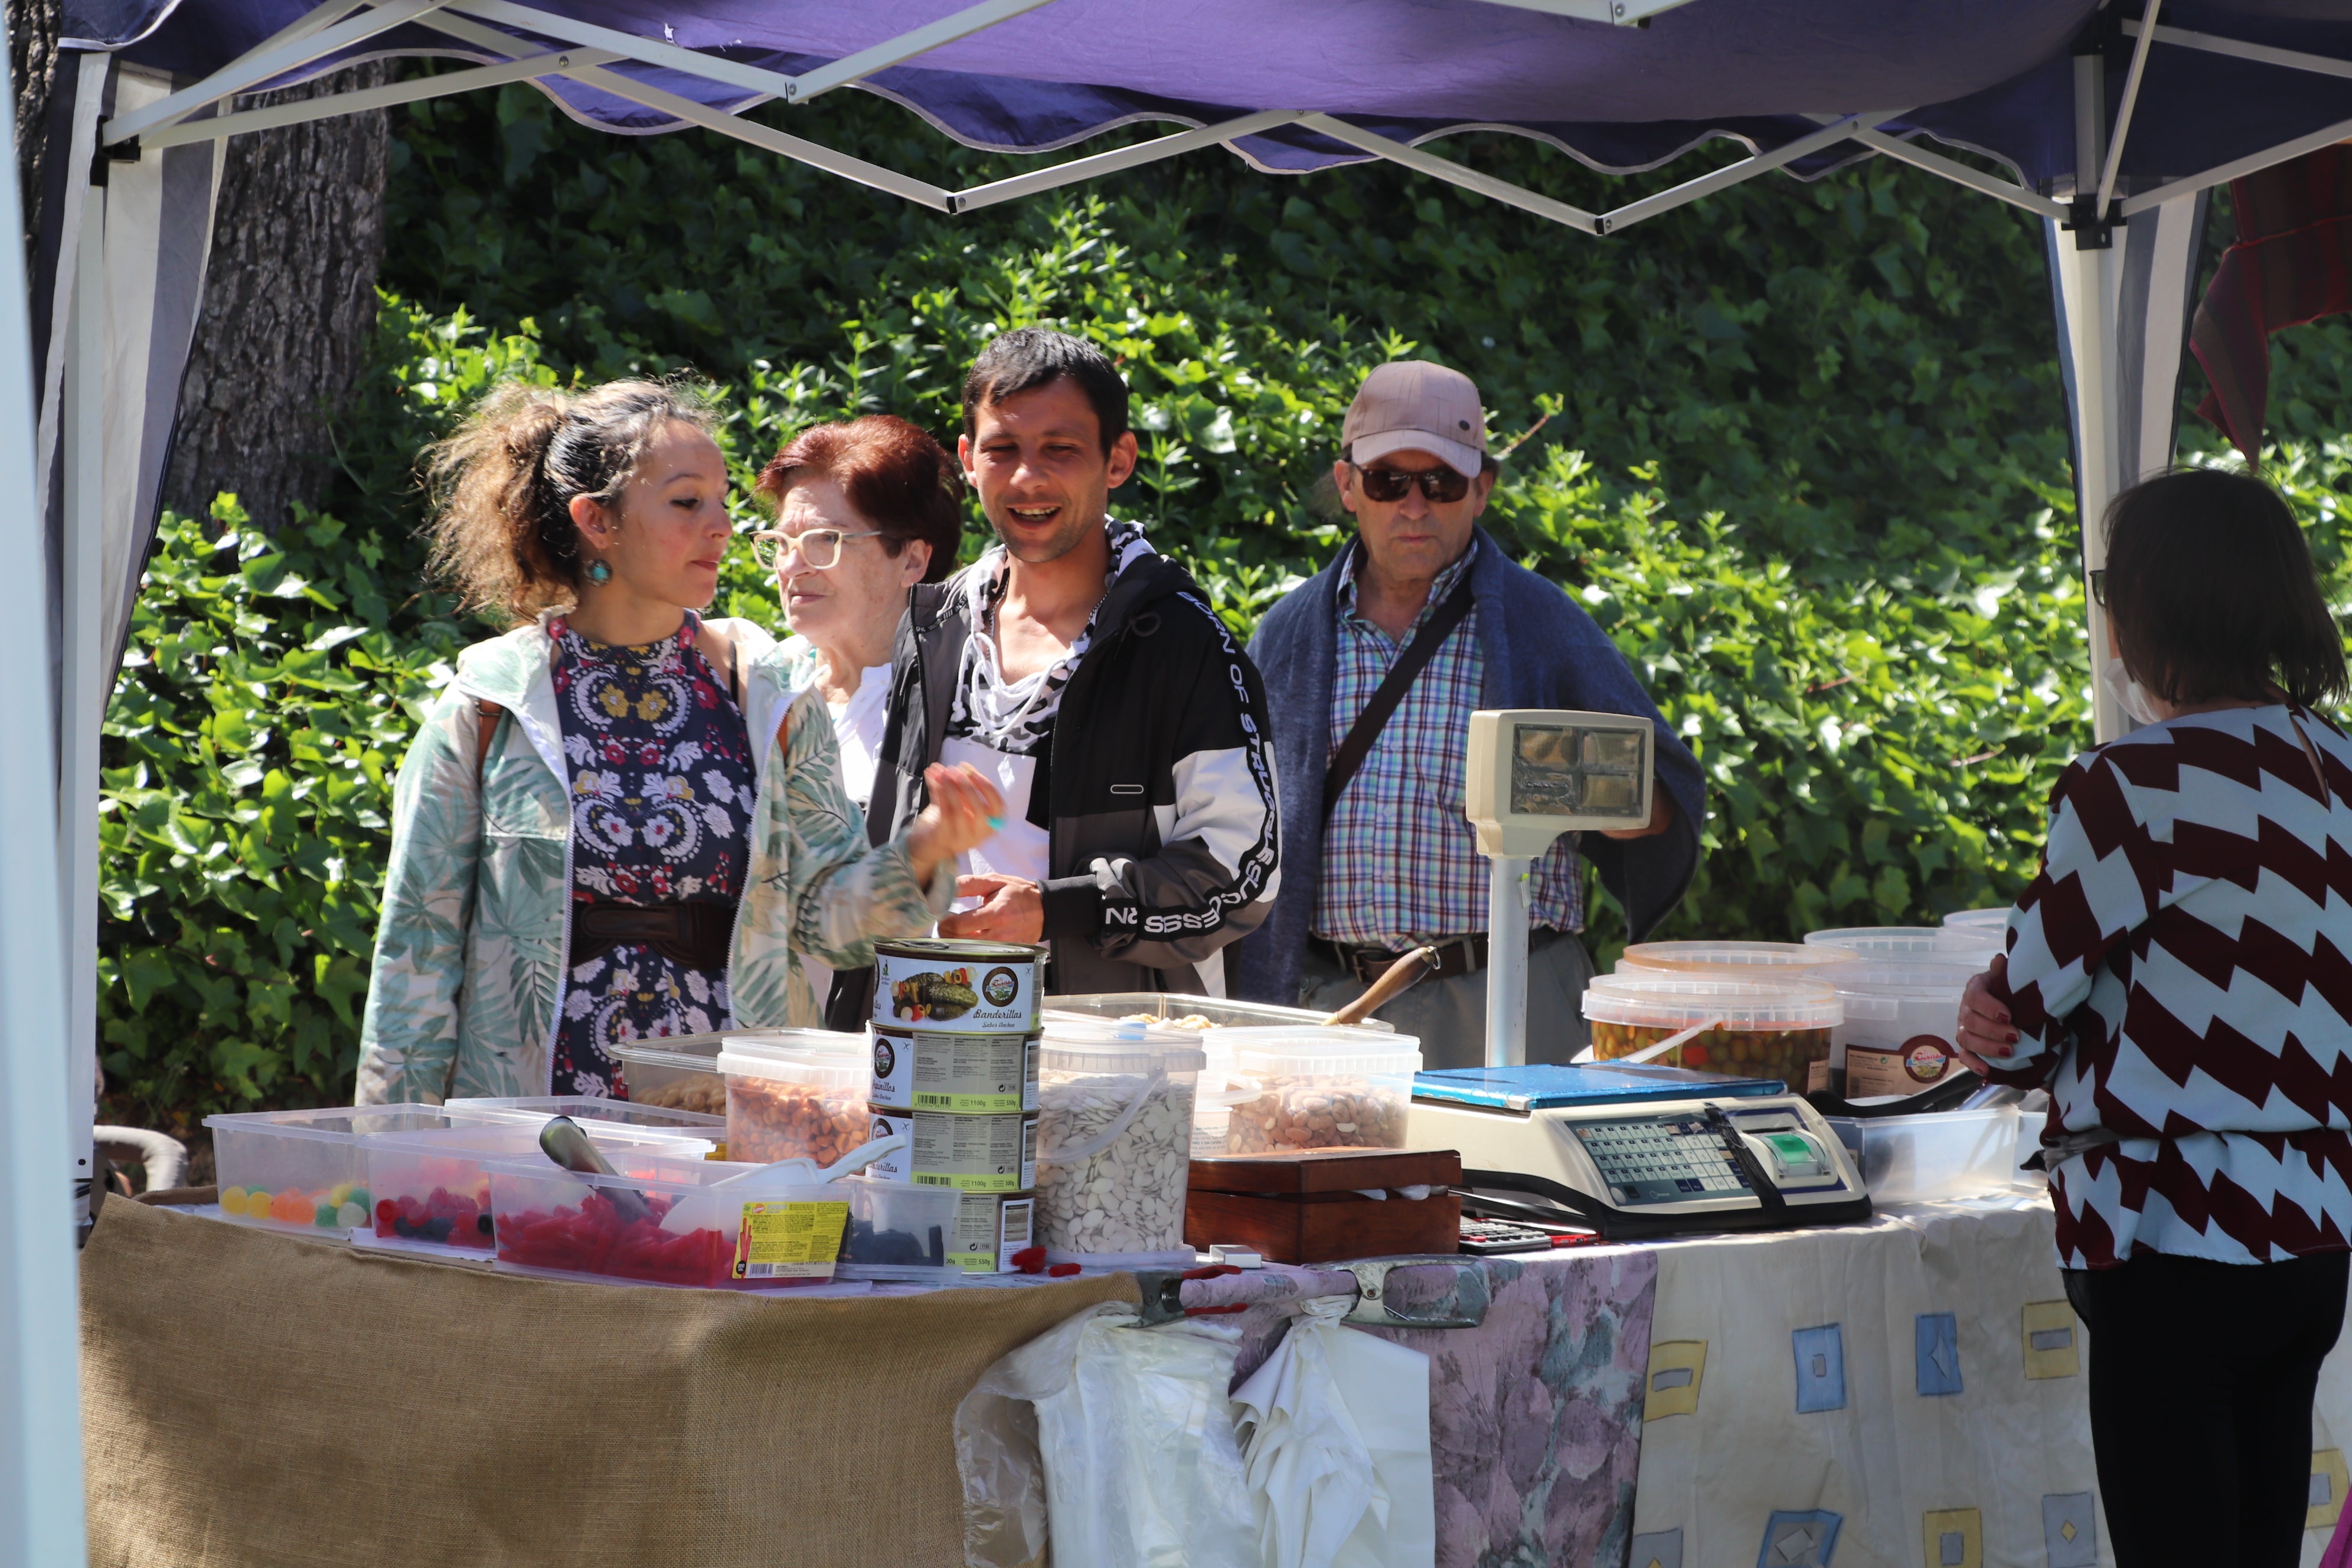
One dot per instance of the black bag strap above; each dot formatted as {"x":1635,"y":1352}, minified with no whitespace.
{"x":1369,"y":724}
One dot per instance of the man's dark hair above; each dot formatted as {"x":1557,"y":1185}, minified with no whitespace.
{"x":1027,"y":358}
{"x":2212,"y":592}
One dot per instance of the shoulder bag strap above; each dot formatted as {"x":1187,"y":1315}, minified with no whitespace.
{"x":486,"y":725}
{"x":1350,"y":757}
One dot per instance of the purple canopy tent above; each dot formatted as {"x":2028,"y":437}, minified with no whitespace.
{"x":2112,"y":141}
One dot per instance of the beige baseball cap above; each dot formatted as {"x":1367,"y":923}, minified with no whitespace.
{"x":1411,"y":404}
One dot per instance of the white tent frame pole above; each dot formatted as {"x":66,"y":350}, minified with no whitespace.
{"x":260,"y":67}
{"x":2113,"y":165}
{"x":1745,"y":169}
{"x":2222,"y":174}
{"x":2260,"y":54}
{"x":2086,"y":281}
{"x":302,"y":27}
{"x":1453,"y":173}
{"x":83,"y":549}
{"x":303,"y":111}
{"x":1959,"y":173}
{"x":1119,"y":158}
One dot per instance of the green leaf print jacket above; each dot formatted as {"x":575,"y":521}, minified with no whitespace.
{"x":468,"y":980}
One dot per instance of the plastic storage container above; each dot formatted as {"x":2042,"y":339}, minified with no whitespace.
{"x":1198,"y":1013}
{"x":899,"y":1232}
{"x":1763,"y":1029}
{"x":1901,"y":1017}
{"x":790,"y":1103}
{"x":1934,"y":944}
{"x":622,"y":1227}
{"x":585,"y":1109}
{"x":669,"y":1076}
{"x":432,"y":1189}
{"x":1996,"y":918}
{"x":1950,"y":1154}
{"x":1318,"y":1088}
{"x":1115,"y":1141}
{"x":306,"y":1170}
{"x":1743,"y":959}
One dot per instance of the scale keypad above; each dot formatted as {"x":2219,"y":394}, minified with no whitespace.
{"x":1666,"y":1160}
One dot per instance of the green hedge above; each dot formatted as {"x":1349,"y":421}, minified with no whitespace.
{"x":1801,"y":454}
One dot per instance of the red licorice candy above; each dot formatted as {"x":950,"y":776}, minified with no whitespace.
{"x":594,"y":1239}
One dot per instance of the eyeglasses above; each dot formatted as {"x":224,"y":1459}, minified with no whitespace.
{"x":820,"y":548}
{"x":2098,"y":586}
{"x":1440,"y":483}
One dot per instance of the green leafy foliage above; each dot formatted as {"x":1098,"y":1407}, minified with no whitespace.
{"x":1798,"y":448}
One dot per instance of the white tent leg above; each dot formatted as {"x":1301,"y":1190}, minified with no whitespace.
{"x":2087,"y":287}
{"x":84,"y":705}
{"x":40,"y":1382}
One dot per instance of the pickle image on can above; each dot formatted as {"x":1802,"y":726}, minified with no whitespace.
{"x":965,"y":987}
{"x":971,"y":1153}
{"x":972,"y":1075}
{"x":990,"y":1228}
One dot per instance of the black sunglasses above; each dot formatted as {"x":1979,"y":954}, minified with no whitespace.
{"x":1440,"y":483}
{"x":2098,"y":586}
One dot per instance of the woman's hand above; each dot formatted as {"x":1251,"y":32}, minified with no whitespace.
{"x":1012,"y":910}
{"x":1985,"y":1028}
{"x":965,"y":812}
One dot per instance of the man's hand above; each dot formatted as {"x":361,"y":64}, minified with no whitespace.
{"x":1662,"y":817}
{"x":1985,"y":1026}
{"x":1014,"y":911}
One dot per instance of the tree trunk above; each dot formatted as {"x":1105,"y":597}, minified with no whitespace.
{"x":289,"y":301}
{"x":34,"y":27}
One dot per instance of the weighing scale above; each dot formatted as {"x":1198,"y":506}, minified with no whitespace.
{"x":1637,"y":1151}
{"x":1535,"y":774}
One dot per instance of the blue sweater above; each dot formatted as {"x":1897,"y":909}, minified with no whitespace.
{"x":1540,"y":651}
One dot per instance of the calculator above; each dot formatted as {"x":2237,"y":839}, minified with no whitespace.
{"x":1561,"y":1147}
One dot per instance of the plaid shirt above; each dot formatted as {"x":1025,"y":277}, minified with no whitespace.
{"x":1400,"y":859}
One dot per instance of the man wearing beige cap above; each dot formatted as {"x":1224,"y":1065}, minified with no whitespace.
{"x":1373,"y":670}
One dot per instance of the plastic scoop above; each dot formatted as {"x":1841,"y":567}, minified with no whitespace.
{"x":707,"y":1207}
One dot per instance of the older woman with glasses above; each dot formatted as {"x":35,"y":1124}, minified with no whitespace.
{"x":865,"y":511}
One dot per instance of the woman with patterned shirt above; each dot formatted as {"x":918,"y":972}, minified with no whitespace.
{"x":619,"y":822}
{"x":2179,"y":978}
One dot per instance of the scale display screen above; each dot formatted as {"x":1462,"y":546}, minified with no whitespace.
{"x":1660,"y":1159}
{"x":1566,"y":770}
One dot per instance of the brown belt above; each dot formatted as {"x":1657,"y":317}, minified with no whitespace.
{"x":695,"y":935}
{"x":1456,"y":955}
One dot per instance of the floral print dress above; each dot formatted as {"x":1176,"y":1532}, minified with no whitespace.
{"x":662,"y":796}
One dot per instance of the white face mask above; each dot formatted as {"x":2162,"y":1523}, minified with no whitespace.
{"x":2138,"y":703}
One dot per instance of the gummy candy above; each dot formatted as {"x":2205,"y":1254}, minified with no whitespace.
{"x":594,"y":1239}
{"x":257,"y":1204}
{"x":351,"y":1215}
{"x":292,"y":1207}
{"x":326,"y":1216}
{"x":358,"y":1195}
{"x":338,"y":1195}
{"x":231,"y":1200}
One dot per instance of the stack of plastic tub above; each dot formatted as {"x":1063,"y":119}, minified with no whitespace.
{"x":1753,"y":960}
{"x":1901,"y":1018}
{"x":1114,"y":1141}
{"x":1996,"y":919}
{"x":1768,"y":1026}
{"x":1928,"y":944}
{"x":1315,"y":1086}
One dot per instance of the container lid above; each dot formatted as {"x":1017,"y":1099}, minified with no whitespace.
{"x":824,"y":1069}
{"x":1921,"y":942}
{"x":1743,"y":958}
{"x":581,"y":1108}
{"x":1903,"y":977}
{"x":341,"y":1123}
{"x":950,"y":950}
{"x":1680,"y":1001}
{"x":792,"y":1042}
{"x":1538,"y":1086}
{"x":1107,"y":1045}
{"x":1318,"y":1050}
{"x":1978,"y":918}
{"x":1220,"y":1013}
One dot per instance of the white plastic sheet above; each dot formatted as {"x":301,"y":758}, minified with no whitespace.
{"x":1337,"y":1441}
{"x":1117,"y":1440}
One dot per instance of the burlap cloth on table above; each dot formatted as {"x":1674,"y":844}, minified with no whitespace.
{"x":253,"y":1399}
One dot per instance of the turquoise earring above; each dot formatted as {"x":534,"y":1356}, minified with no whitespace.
{"x":600,"y":573}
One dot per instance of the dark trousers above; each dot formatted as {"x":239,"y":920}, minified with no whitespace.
{"x":2202,"y":1381}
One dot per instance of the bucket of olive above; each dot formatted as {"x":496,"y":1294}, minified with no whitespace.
{"x":1755,"y":1028}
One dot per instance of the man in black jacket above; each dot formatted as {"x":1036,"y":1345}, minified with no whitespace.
{"x":1087,"y":675}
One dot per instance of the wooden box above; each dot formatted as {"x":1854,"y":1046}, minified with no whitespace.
{"x":1307,"y":1208}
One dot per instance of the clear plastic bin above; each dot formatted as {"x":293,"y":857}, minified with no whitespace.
{"x":1320,"y":1088}
{"x":306,"y":1170}
{"x":1115,"y":1141}
{"x":1153,"y":1006}
{"x":432,"y":1189}
{"x":1761,"y":961}
{"x":1901,"y":1019}
{"x":585,"y":1109}
{"x":795,"y":1104}
{"x":672,"y":1080}
{"x":1763,"y":1027}
{"x":553,"y":1220}
{"x":897,"y":1231}
{"x":1949,"y":1154}
{"x":1935,"y":944}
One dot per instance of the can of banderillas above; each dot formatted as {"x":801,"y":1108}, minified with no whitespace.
{"x":990,"y":1228}
{"x":930,"y":983}
{"x":971,"y":1153}
{"x":972,"y":1075}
